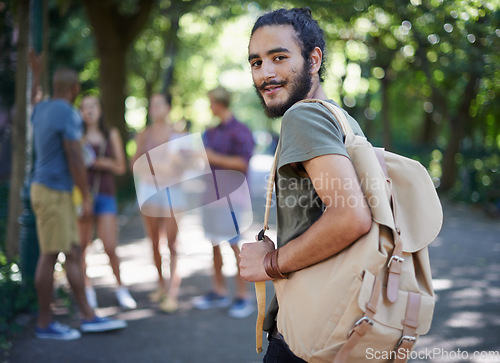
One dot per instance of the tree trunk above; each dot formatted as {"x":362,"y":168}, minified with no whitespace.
{"x":457,"y":131}
{"x":45,"y":81}
{"x":114,"y":33}
{"x":172,"y":44}
{"x":112,"y":83}
{"x":18,"y":130}
{"x":386,"y":121}
{"x":428,"y":130}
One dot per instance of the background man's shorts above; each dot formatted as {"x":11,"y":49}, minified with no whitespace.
{"x":55,"y":219}
{"x":219,"y":225}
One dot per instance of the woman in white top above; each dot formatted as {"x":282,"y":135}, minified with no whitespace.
{"x":159,"y":210}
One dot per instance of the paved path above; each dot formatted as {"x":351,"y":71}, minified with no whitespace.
{"x":466,"y":268}
{"x":465,"y":261}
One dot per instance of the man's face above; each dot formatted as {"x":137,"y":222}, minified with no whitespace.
{"x":91,"y":110}
{"x":215,"y":107}
{"x":158,"y":108}
{"x":279,"y":71}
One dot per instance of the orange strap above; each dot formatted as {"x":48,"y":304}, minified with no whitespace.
{"x":260,"y":287}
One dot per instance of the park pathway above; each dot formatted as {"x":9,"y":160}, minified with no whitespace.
{"x":466,"y":327}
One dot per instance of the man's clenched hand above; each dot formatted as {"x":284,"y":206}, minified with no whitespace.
{"x":252,"y":260}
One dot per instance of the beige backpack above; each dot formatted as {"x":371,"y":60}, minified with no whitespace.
{"x":373,"y":299}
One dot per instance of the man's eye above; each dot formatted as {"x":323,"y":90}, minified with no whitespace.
{"x":279,"y":58}
{"x":255,"y":64}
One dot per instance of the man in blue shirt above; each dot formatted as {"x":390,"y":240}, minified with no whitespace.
{"x":59,"y":163}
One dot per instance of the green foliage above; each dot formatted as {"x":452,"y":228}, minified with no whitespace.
{"x":69,"y":27}
{"x":479,"y":178}
{"x":424,"y":52}
{"x":15,"y":297}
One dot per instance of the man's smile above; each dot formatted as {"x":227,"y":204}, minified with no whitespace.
{"x":271,"y":88}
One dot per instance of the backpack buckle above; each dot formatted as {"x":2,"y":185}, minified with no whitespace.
{"x":395,"y":258}
{"x":261,"y":235}
{"x":364,"y":318}
{"x":362,"y":332}
{"x":407,"y":338}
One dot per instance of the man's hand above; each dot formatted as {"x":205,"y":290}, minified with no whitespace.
{"x":87,"y":211}
{"x":229,"y":162}
{"x":36,"y":63}
{"x":252,"y":260}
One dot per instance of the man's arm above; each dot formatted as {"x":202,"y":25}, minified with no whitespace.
{"x":36,"y":64}
{"x":116,"y":164}
{"x":72,"y":149}
{"x":346,"y":218}
{"x":140,"y":140}
{"x":230,"y":162}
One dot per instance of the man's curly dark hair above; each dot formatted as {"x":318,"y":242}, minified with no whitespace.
{"x":309,"y":34}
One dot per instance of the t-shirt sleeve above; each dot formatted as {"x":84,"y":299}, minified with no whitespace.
{"x":204,"y":138}
{"x":72,"y":129}
{"x":308,"y":131}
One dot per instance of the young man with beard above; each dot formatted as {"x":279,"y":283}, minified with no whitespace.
{"x":286,"y":56}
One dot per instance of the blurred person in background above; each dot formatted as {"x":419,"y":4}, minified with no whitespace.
{"x":109,"y":161}
{"x":57,"y":132}
{"x":229,"y":146}
{"x":158,"y":226}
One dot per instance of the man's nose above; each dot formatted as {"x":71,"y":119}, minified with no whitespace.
{"x":268,"y":70}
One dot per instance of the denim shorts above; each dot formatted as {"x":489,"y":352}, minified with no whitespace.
{"x":105,"y":204}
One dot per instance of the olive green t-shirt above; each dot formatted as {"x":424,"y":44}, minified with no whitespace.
{"x":308,"y":130}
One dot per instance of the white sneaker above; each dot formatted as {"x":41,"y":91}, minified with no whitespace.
{"x":211,"y":300}
{"x":91,"y":296}
{"x":101,"y":324}
{"x":124,"y":298}
{"x":241,"y":308}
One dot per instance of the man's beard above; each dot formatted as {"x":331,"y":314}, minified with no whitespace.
{"x":299,"y":88}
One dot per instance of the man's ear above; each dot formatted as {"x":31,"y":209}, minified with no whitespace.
{"x":315,"y":60}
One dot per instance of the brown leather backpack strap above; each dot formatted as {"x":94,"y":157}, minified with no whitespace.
{"x":362,"y":326}
{"x":260,"y":293}
{"x":260,"y":287}
{"x":395,"y":267}
{"x":395,"y":264}
{"x":410,"y":324}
